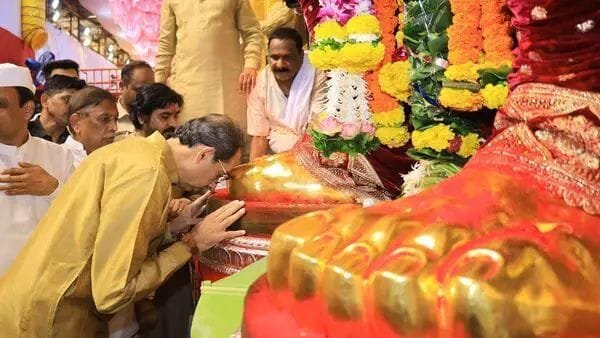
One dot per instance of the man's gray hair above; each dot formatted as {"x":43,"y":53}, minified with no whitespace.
{"x":215,"y":131}
{"x":88,"y":97}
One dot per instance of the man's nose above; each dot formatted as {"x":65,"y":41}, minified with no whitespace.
{"x":112,"y":126}
{"x":172,"y":121}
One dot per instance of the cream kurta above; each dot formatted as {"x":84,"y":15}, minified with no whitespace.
{"x":201,"y":39}
{"x":94,"y":252}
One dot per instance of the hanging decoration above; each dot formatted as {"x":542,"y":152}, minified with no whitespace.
{"x":347,"y":44}
{"x":33,"y":18}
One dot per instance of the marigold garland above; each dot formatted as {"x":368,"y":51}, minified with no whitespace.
{"x":363,"y":24}
{"x":325,"y":58}
{"x":437,"y":137}
{"x":386,"y":13}
{"x":393,"y":137}
{"x":469,"y":145}
{"x":380,"y":101}
{"x":330,"y":29}
{"x":361,"y":57}
{"x":394,"y":79}
{"x":495,"y":29}
{"x":392,"y":118}
{"x":465,"y":41}
{"x":494,"y":96}
{"x":461,"y":99}
{"x":462,"y":72}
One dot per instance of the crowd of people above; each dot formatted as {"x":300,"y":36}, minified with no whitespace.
{"x":103,"y":197}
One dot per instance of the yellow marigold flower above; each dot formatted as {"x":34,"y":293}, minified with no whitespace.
{"x":462,"y":72}
{"x":437,"y":137}
{"x":393,"y":137}
{"x":360,"y":57}
{"x":394,"y":79}
{"x":494,"y":96}
{"x":460,"y":99}
{"x":324,"y":59}
{"x":393,"y":118}
{"x":330,"y":29}
{"x":469,"y":145}
{"x":363,"y":24}
{"x":400,"y":38}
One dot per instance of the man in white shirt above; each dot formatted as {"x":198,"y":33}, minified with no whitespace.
{"x":32,"y":170}
{"x":288,"y":91}
{"x":92,"y":122}
{"x":134,"y":75}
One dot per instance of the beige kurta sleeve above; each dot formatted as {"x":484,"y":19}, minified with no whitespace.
{"x":257,"y":120}
{"x":122,"y":270}
{"x":251,"y":33}
{"x":166,"y":42}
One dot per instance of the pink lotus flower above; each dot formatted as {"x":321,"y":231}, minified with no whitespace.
{"x":368,"y":128}
{"x":329,"y":126}
{"x":350,"y":130}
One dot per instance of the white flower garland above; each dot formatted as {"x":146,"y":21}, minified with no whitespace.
{"x":347,"y":97}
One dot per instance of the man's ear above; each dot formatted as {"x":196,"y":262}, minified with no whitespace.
{"x":74,"y":120}
{"x":205,"y":152}
{"x":29,"y":109}
{"x":44,"y":100}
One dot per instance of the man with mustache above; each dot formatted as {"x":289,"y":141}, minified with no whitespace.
{"x":156,"y":108}
{"x":92,"y":122}
{"x":287,"y":93}
{"x":134,"y":75}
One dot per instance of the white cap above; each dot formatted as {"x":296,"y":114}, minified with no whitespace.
{"x":15,"y":76}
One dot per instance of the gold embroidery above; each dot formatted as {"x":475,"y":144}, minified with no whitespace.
{"x":548,"y":138}
{"x":539,"y":13}
{"x":586,"y":26}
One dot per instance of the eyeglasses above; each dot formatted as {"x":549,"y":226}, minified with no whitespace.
{"x":224,"y":176}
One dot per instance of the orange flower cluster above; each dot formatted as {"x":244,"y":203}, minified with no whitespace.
{"x":465,"y":41}
{"x":380,"y":101}
{"x":388,"y":21}
{"x":497,"y":42}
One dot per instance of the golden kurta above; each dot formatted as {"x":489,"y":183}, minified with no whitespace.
{"x":95,"y":251}
{"x":199,"y":47}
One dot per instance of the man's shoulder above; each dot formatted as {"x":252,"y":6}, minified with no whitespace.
{"x":48,"y":147}
{"x":130,"y":149}
{"x":35,"y":127}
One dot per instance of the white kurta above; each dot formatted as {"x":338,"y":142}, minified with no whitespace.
{"x":284,"y":119}
{"x":20,"y":214}
{"x":76,"y":149}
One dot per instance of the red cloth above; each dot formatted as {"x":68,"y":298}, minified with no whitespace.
{"x":16,"y":51}
{"x":558,"y":43}
{"x":310,"y":8}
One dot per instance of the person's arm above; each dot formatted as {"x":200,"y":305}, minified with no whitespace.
{"x":253,"y":39}
{"x":122,"y":272}
{"x":166,"y":42}
{"x":258,"y":147}
{"x":257,"y":121}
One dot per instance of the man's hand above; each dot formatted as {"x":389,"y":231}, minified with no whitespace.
{"x":177,"y":205}
{"x":29,"y":179}
{"x":247,"y":80}
{"x":188,"y":213}
{"x":213,"y":228}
